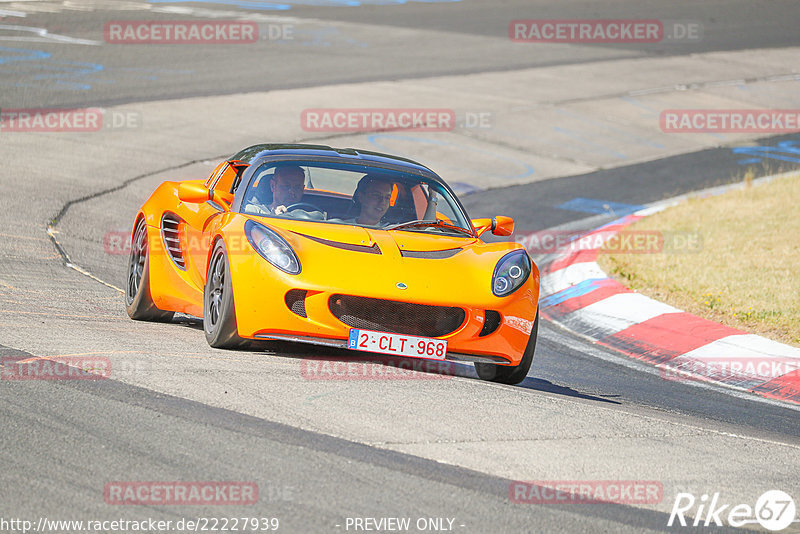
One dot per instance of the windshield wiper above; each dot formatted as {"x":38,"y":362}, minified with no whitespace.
{"x":430,"y":224}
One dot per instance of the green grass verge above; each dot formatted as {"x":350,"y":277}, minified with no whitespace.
{"x":744,"y":271}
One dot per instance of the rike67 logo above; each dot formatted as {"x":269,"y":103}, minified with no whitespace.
{"x":774,"y":510}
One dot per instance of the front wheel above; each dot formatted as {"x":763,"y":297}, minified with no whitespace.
{"x":511,"y":374}
{"x":138,"y":301}
{"x":219,"y":312}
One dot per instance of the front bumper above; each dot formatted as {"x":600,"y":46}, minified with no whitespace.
{"x":263,"y":310}
{"x":342,"y":344}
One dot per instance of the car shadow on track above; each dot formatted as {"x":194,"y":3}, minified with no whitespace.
{"x":539,"y":384}
{"x":329,"y":363}
{"x":326,"y":363}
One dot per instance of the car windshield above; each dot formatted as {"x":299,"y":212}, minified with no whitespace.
{"x":353,"y":194}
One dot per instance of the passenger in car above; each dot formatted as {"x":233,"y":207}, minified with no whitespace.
{"x":371,"y":200}
{"x":286,"y":187}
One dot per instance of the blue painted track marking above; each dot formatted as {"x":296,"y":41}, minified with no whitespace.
{"x":784,"y":151}
{"x":68,"y":74}
{"x":10,"y":55}
{"x":639,"y":104}
{"x":63,"y":75}
{"x":322,"y":37}
{"x":591,"y":205}
{"x":586,"y":286}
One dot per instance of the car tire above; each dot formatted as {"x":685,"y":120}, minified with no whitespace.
{"x":511,"y":374}
{"x":219,"y":311}
{"x":138,"y":300}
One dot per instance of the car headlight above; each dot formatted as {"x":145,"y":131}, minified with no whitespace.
{"x":272,"y":247}
{"x":510,"y":273}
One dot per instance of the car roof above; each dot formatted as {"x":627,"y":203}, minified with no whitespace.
{"x":261,"y":151}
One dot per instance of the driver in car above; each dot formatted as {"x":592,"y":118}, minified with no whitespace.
{"x":287,"y":185}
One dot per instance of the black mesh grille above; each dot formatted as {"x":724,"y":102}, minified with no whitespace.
{"x":296,"y":301}
{"x":170,"y":224}
{"x":491,"y":323}
{"x":430,"y":254}
{"x":396,"y":317}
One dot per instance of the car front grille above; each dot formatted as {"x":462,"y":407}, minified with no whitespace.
{"x":491,"y":323}
{"x":396,"y":317}
{"x":296,"y":301}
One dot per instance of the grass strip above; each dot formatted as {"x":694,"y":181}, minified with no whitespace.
{"x":733,"y":258}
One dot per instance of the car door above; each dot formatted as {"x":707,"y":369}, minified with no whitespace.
{"x":203,"y":219}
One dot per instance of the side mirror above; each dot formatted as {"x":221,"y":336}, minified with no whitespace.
{"x":193,"y":193}
{"x":499,"y":225}
{"x":502,"y":225}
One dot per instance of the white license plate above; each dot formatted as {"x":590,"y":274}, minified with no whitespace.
{"x":401,"y":345}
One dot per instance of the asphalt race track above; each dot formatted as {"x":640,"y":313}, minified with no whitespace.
{"x":563,"y":121}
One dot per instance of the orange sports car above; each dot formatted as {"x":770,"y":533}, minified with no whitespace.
{"x":337,"y":247}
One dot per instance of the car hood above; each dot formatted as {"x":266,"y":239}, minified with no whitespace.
{"x":395,"y":265}
{"x":357,"y":236}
